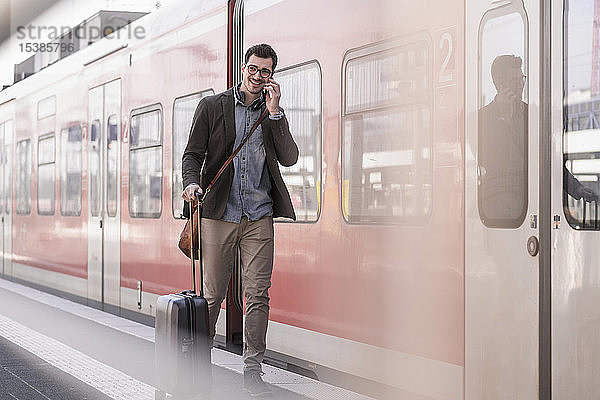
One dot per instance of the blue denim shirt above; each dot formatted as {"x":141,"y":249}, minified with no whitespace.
{"x":251,"y":186}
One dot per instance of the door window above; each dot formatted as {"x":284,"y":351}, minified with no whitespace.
{"x":581,"y":138}
{"x":502,"y":141}
{"x":112,"y":158}
{"x":95,"y":168}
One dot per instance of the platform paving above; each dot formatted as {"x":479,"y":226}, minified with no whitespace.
{"x":53,"y":348}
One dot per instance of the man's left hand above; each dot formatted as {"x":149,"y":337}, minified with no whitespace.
{"x":273,"y":96}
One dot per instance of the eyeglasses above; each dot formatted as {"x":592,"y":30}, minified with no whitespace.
{"x":521,"y":79}
{"x":253,"y":69}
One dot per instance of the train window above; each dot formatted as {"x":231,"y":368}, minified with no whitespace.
{"x":387,"y":133}
{"x":301,"y":100}
{"x":183,"y":112}
{"x":502,"y":148}
{"x":581,"y":137}
{"x":95,"y":168}
{"x":145,"y":163}
{"x":47,"y":107}
{"x":3,"y":156}
{"x":23,"y":178}
{"x":46,"y":175}
{"x":70,"y":171}
{"x":112,"y":168}
{"x":7,"y":160}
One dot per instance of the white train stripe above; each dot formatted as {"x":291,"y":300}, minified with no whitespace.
{"x":55,"y":280}
{"x":108,"y":380}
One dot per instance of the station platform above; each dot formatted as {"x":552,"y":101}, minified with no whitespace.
{"x":55,"y":349}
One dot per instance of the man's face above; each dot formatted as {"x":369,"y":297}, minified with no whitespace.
{"x":256,"y":73}
{"x":515,"y":81}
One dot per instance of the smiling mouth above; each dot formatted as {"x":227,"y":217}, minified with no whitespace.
{"x":254,"y":82}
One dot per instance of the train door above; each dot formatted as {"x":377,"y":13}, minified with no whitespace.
{"x":575,"y":279}
{"x":502,"y":191}
{"x":104,"y":137}
{"x":6,"y":130}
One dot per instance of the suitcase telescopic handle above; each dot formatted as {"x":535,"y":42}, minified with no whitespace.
{"x":191,"y":203}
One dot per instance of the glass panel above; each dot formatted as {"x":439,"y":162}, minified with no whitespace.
{"x":7,"y":178}
{"x":23,"y":179}
{"x":145,"y":182}
{"x":3,"y":156}
{"x":387,"y":135}
{"x":46,"y":107}
{"x":301,"y":99}
{"x":581,"y":169}
{"x":8,"y":130}
{"x":46,"y":189}
{"x":46,"y":150}
{"x":502,"y":151}
{"x":182,"y":122}
{"x":46,"y":176}
{"x":94,"y":155}
{"x":145,"y":129}
{"x":70,"y":175}
{"x":112,"y":160}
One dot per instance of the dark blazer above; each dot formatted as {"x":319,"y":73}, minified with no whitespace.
{"x":211,"y":141}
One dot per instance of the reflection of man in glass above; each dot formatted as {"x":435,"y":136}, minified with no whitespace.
{"x":502,"y":148}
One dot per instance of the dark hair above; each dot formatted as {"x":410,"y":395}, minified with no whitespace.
{"x":262,"y":50}
{"x":501,"y":65}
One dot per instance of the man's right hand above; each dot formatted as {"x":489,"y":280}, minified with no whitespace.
{"x":189,"y":192}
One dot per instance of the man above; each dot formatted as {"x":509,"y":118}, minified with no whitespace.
{"x":503,"y":147}
{"x":239,"y":210}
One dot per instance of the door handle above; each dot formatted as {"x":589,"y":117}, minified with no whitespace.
{"x":533,"y":246}
{"x":100,"y":224}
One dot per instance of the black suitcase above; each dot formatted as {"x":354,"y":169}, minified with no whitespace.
{"x":182,"y":342}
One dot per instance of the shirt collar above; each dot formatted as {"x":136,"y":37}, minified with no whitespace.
{"x":240,"y":97}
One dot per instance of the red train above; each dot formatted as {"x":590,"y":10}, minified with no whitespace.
{"x":392,"y":281}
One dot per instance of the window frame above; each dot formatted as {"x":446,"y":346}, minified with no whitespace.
{"x":371,"y":50}
{"x":134,"y":113}
{"x":319,"y":190}
{"x":580,"y":111}
{"x":41,"y":138}
{"x":49,"y":100}
{"x":203,"y":93}
{"x":497,"y":12}
{"x":62,"y":152}
{"x":30,"y":166}
{"x":109,"y":211}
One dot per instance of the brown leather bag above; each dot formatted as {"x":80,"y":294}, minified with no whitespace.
{"x":184,"y":236}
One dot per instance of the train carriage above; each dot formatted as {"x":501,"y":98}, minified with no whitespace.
{"x":436,"y":254}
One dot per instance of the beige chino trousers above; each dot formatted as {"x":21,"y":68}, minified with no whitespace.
{"x":220,"y":241}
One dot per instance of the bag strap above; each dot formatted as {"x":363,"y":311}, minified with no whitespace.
{"x":236,"y":151}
